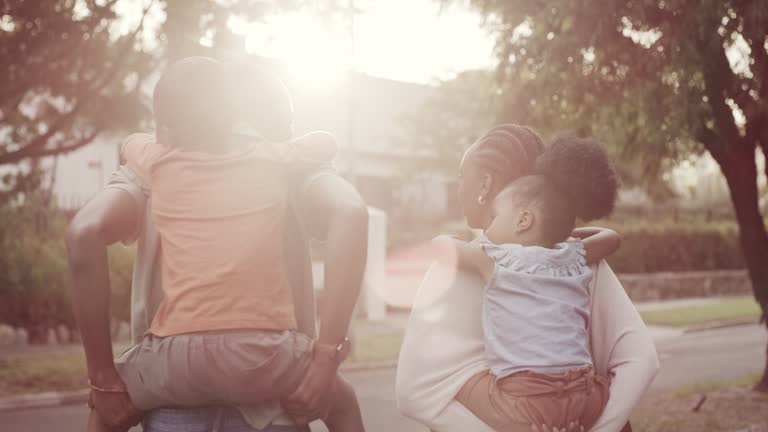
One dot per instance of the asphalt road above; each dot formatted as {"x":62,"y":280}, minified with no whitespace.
{"x":687,"y":359}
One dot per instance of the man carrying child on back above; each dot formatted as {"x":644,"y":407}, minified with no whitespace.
{"x":224,"y":332}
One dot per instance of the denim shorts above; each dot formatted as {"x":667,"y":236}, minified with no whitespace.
{"x":222,"y":368}
{"x":205,"y":420}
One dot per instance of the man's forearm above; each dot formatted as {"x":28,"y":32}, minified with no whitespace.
{"x":90,"y":299}
{"x":346,"y":254}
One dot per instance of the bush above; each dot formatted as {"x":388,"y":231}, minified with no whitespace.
{"x":648,"y":248}
{"x":34,"y":275}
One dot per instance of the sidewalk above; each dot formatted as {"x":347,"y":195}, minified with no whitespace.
{"x":677,"y":303}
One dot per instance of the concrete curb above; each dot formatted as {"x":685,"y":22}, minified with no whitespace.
{"x":43,"y":400}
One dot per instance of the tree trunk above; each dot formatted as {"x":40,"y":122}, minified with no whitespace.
{"x":740,"y":171}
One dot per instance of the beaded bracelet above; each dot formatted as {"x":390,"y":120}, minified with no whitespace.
{"x":106,"y":390}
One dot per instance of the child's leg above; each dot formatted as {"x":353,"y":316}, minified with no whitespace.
{"x":344,"y":414}
{"x":475,"y":395}
{"x":481,"y":396}
{"x":95,"y":424}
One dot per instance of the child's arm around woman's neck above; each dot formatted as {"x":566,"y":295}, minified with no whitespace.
{"x":599,"y":243}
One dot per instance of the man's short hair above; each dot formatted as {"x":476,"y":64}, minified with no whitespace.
{"x":193,"y":99}
{"x":263,"y":101}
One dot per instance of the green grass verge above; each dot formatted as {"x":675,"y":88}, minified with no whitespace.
{"x":376,"y":349}
{"x":45,"y":372}
{"x":736,"y":309}
{"x":57,"y":372}
{"x":728,"y":406}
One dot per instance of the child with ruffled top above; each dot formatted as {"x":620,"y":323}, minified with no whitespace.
{"x":536,"y":301}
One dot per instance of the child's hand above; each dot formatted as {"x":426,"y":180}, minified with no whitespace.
{"x":599,"y":243}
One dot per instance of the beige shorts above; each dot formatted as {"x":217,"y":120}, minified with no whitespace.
{"x":242,"y":367}
{"x":523,"y":399}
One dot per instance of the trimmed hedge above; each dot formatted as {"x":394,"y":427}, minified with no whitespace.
{"x":646,"y":247}
{"x":34,"y":274}
{"x":650,"y":248}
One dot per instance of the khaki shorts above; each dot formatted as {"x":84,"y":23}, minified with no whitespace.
{"x":242,"y":367}
{"x":523,"y":399}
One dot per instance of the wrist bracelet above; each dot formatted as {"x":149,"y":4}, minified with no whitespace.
{"x":106,"y":390}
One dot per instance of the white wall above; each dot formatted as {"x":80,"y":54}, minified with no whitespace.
{"x":82,"y":173}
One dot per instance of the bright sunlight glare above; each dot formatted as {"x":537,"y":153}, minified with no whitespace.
{"x":413,"y":40}
{"x":316,"y":53}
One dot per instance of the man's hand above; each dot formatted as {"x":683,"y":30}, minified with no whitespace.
{"x":312,"y":398}
{"x":115,"y":409}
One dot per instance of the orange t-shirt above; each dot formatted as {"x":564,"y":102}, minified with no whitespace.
{"x":220,"y":220}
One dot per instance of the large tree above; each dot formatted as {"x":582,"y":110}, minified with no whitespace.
{"x":657,"y":78}
{"x":68,"y":73}
{"x":73,"y":69}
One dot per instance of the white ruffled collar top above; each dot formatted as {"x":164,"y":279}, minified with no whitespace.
{"x":566,"y":258}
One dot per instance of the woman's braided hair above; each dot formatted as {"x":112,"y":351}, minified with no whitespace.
{"x":509,"y":151}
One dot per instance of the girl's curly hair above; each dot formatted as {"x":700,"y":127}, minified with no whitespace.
{"x":572,"y":179}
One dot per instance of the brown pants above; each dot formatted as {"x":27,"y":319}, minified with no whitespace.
{"x":524,"y":399}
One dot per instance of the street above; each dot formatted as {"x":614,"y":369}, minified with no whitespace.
{"x":687,"y":359}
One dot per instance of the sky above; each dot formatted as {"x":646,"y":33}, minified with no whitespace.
{"x":406,"y":40}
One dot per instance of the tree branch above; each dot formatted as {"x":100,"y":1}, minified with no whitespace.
{"x":717,"y":70}
{"x":66,"y":147}
{"x":16,"y":156}
{"x":36,"y":146}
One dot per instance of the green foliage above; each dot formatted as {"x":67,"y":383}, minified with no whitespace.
{"x":66,"y":64}
{"x":37,"y":374}
{"x":74,"y":69}
{"x":34,"y":276}
{"x":654,"y":79}
{"x":120,"y":274}
{"x":659,"y":247}
{"x":651,"y":77}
